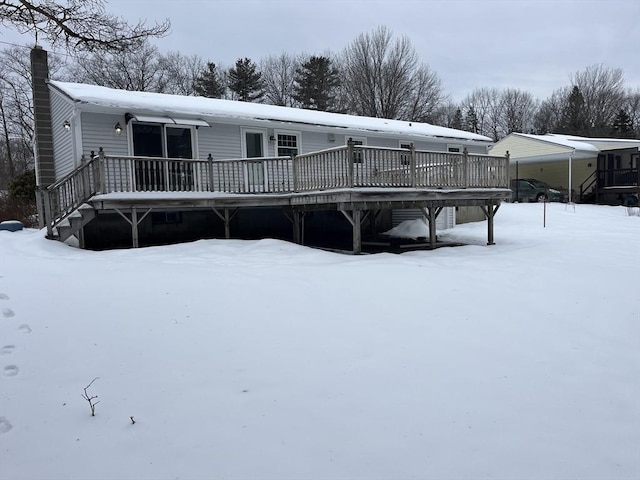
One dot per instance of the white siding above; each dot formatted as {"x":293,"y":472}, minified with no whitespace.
{"x":221,"y":141}
{"x":98,"y":131}
{"x":314,"y":141}
{"x":61,"y":112}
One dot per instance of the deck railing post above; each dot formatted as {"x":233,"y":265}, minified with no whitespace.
{"x":210,"y":167}
{"x":295,"y":163}
{"x":86,"y":179}
{"x":465,"y":167}
{"x":505,"y":175}
{"x":101,"y":171}
{"x":412,"y":163}
{"x":351,"y":159}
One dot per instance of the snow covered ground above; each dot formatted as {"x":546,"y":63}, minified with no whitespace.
{"x":268,"y":360}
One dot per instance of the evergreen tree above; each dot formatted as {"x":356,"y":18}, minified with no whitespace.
{"x":315,"y":84}
{"x":209,"y":83}
{"x":457,"y":120}
{"x":622,"y":125}
{"x":245,"y":80}
{"x":573,"y":120}
{"x":471,"y":120}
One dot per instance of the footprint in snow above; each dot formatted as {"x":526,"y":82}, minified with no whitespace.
{"x":5,"y":426}
{"x":7,"y":313}
{"x":7,"y":349}
{"x":10,"y":371}
{"x":3,"y":296}
{"x":24,"y":328}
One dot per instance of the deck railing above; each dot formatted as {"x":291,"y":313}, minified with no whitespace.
{"x":350,"y":166}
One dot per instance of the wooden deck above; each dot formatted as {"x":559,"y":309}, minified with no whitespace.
{"x":354,"y":180}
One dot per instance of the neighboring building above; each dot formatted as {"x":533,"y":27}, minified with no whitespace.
{"x":149,"y":168}
{"x":603,"y":170}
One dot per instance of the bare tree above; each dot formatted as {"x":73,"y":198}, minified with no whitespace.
{"x":448,"y":114}
{"x":81,"y":25}
{"x":518,"y":108}
{"x":278,"y":74}
{"x":383,"y":78}
{"x":548,"y":117}
{"x":603,"y":92}
{"x":137,"y":69}
{"x":426,"y":96}
{"x":179,"y":73}
{"x":632,"y":107}
{"x":486,"y":103}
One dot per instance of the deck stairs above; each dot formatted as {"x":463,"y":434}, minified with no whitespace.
{"x":74,"y":222}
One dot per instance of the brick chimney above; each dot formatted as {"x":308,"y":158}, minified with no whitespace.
{"x":45,"y":170}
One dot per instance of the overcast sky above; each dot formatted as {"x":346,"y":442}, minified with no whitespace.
{"x":532,"y":45}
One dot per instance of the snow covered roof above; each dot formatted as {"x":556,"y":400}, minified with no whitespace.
{"x":575,"y":143}
{"x":599,"y":144}
{"x":527,"y":148}
{"x":203,"y":107}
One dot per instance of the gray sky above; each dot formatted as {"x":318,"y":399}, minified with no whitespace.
{"x":531,"y":45}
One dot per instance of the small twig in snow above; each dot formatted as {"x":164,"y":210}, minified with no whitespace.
{"x":91,"y":399}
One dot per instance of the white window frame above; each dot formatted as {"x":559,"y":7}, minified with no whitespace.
{"x":363,"y":141}
{"x":243,"y":140}
{"x":452,"y":146}
{"x":255,"y":174}
{"x":294,"y":133}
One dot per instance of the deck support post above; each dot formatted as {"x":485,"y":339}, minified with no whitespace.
{"x":80,"y":237}
{"x":355,"y":219}
{"x":297,"y":220}
{"x":134,"y":222}
{"x":226,"y":217}
{"x":489,"y":212}
{"x":432,"y":214}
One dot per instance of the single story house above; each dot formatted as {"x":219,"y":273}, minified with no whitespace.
{"x":119,"y":168}
{"x":599,"y":170}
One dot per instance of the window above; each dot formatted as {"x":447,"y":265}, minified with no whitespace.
{"x":358,"y":153}
{"x":147,"y":140}
{"x":405,"y":158}
{"x":162,"y":141}
{"x":288,"y":144}
{"x":179,"y":142}
{"x":166,"y":218}
{"x":454,"y":148}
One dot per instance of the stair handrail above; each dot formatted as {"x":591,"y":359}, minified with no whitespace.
{"x":592,"y":179}
{"x":64,"y":196}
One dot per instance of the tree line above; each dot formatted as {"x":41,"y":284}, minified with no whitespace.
{"x":377,"y":74}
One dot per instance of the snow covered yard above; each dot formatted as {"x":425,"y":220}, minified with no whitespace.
{"x":268,"y":360}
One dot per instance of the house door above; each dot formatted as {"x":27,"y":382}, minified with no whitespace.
{"x":254,"y":146}
{"x":154,"y":143}
{"x":613,"y":166}
{"x":180,"y":146}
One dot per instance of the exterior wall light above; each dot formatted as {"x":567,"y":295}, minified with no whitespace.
{"x":117,"y":128}
{"x":66,"y":125}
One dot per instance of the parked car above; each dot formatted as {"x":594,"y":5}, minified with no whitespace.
{"x":532,"y":190}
